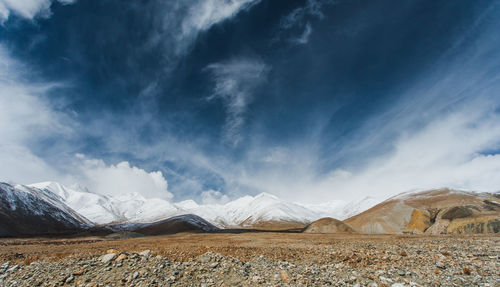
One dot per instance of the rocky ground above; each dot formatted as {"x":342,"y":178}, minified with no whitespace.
{"x":258,"y":259}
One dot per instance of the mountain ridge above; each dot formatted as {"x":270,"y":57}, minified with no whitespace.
{"x":247,"y":211}
{"x":28,"y":211}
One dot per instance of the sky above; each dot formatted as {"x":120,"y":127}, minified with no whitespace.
{"x":210,"y":100}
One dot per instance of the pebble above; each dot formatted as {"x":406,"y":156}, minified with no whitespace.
{"x":440,"y":264}
{"x":108,"y":257}
{"x":344,"y":264}
{"x":145,"y":253}
{"x":120,"y":257}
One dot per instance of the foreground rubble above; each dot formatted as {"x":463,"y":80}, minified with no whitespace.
{"x":402,"y":262}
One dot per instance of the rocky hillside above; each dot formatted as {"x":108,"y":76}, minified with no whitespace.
{"x":441,"y":211}
{"x":329,"y":225}
{"x":176,"y":224}
{"x":29,"y":211}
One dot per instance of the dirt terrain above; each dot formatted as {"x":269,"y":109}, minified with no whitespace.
{"x":250,"y":259}
{"x":440,"y":211}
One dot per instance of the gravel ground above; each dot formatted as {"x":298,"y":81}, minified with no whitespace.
{"x":433,"y":261}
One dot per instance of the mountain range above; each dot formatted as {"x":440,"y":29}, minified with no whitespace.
{"x":247,"y":211}
{"x":51,"y":208}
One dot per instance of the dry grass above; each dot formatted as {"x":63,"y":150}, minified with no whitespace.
{"x":294,"y":247}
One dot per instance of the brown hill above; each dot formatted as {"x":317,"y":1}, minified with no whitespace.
{"x":272,"y":225}
{"x":441,"y":211}
{"x":329,"y":225}
{"x":176,"y":224}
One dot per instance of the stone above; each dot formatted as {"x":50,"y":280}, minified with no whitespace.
{"x":205,"y":258}
{"x":79,"y":272}
{"x":109,"y":251}
{"x":120,"y":257}
{"x":284,"y":276}
{"x":145,"y":253}
{"x":108,"y":257}
{"x":440,"y":265}
{"x":13,"y":268}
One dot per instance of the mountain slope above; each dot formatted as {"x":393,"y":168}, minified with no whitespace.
{"x":30,"y":211}
{"x":328,"y":225}
{"x":176,"y":224}
{"x":263,"y":211}
{"x":106,"y":209}
{"x":440,"y":211}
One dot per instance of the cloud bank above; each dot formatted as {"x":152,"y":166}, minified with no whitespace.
{"x":27,"y":118}
{"x":122,"y":179}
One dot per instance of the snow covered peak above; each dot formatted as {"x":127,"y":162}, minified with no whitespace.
{"x":29,"y":203}
{"x":244,"y":211}
{"x":266,"y":197}
{"x":187,"y":204}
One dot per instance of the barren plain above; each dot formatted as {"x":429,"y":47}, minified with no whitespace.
{"x":253,"y":259}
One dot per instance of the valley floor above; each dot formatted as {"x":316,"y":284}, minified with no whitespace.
{"x":250,"y":259}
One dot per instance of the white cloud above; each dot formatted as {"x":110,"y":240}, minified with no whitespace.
{"x":183,"y":20}
{"x":443,"y":131}
{"x":235,"y":82}
{"x":122,"y":179}
{"x":446,"y":153}
{"x":28,"y":9}
{"x":304,"y":38}
{"x":213,"y":197}
{"x":298,"y":15}
{"x":299,"y":19}
{"x":203,"y":14}
{"x":25,"y":117}
{"x":449,"y":151}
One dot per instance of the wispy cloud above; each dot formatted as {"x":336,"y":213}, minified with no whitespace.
{"x":304,"y":38}
{"x":299,"y":19}
{"x":203,"y":14}
{"x":27,"y":118}
{"x":28,"y":9}
{"x":235,"y":82}
{"x":442,"y":131}
{"x":179,"y":23}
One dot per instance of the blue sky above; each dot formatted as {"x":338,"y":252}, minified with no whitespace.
{"x":308,"y":100}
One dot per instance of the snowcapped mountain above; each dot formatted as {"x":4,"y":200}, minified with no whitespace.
{"x":103,"y":209}
{"x":32,"y":211}
{"x":247,"y":211}
{"x":355,"y":207}
{"x":244,"y":212}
